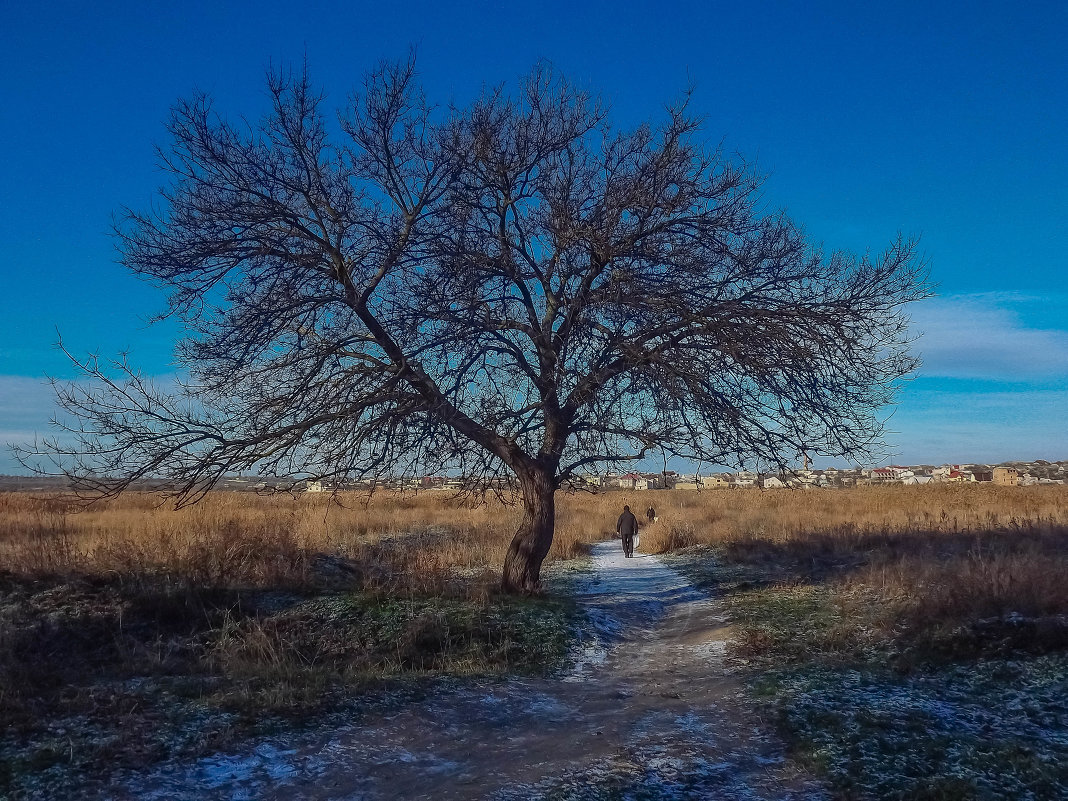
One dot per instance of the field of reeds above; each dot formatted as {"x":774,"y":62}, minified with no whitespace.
{"x":389,"y":542}
{"x":130,"y":631}
{"x":420,"y":542}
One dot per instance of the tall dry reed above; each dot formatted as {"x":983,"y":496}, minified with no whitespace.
{"x":723,"y":516}
{"x":418,"y":541}
{"x":389,"y":540}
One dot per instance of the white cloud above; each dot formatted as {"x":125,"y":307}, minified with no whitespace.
{"x":26,"y":404}
{"x":26,"y":407}
{"x":985,"y":336}
{"x":950,"y":425}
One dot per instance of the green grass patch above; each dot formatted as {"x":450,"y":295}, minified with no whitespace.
{"x":360,"y":635}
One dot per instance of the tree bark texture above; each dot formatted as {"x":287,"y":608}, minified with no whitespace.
{"x":531,"y":543}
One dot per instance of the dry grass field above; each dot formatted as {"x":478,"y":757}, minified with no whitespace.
{"x":420,"y":543}
{"x":944,"y":554}
{"x":392,"y":543}
{"x":912,"y":642}
{"x":131,"y":631}
{"x":939,"y":556}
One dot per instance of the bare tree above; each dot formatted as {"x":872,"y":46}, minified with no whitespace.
{"x":511,"y":289}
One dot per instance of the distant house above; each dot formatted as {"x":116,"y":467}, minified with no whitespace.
{"x":745,"y":479}
{"x":718,"y":481}
{"x":689,"y":483}
{"x":1006,"y":476}
{"x":953,"y":472}
{"x":586,"y":480}
{"x":314,"y":486}
{"x":772,"y":482}
{"x":812,"y":478}
{"x":892,"y":473}
{"x":668,"y":479}
{"x":914,"y":480}
{"x":653,"y":480}
{"x":982,"y":475}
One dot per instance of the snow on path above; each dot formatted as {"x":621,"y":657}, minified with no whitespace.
{"x":624,"y":596}
{"x":649,"y":708}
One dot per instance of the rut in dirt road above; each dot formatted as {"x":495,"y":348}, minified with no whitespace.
{"x":649,"y":711}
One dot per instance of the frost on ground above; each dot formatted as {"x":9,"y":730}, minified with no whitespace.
{"x":647,"y":710}
{"x":992,"y":730}
{"x":878,"y":717}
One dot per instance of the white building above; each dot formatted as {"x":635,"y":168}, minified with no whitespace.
{"x":915,"y":480}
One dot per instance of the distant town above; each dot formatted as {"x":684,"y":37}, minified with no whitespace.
{"x":1008,"y":473}
{"x":1013,"y":474}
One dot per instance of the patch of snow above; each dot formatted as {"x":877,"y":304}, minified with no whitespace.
{"x":693,"y":724}
{"x":714,"y":649}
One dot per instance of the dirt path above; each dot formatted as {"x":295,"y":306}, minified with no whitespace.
{"x":649,"y":711}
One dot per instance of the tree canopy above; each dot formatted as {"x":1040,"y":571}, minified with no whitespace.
{"x":513,"y":288}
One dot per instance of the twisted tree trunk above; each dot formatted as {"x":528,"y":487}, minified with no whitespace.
{"x":531,"y":543}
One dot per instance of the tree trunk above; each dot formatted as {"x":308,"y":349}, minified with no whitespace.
{"x":531,"y":543}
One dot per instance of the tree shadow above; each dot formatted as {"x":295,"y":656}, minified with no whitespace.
{"x":903,"y":598}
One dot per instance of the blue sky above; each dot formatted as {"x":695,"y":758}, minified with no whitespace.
{"x":944,"y":120}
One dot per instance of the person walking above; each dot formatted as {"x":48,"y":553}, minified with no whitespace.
{"x":626,"y":528}
{"x":650,"y":514}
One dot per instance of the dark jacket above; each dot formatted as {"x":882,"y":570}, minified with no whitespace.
{"x":627,"y":525}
